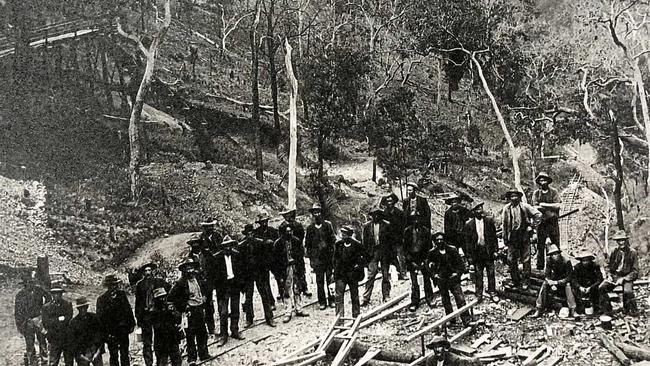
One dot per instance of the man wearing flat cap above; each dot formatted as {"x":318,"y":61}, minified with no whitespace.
{"x":480,"y":236}
{"x":454,"y":222}
{"x":442,"y":355}
{"x":56,"y":321}
{"x":114,"y":312}
{"x":587,"y":276}
{"x":415,"y":205}
{"x":229,"y":284}
{"x":288,"y":249}
{"x":258,"y":276}
{"x":269,"y":235}
{"x":348,"y":270}
{"x":144,"y":306}
{"x":27,"y":313}
{"x":379,"y":253}
{"x":289,"y":216}
{"x":520,"y":221}
{"x":623,"y":269}
{"x":86,"y":335}
{"x":558,"y":278}
{"x":319,"y":243}
{"x":396,"y":225}
{"x":547,"y":200}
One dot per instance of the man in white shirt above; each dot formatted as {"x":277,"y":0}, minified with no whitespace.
{"x":229,"y":284}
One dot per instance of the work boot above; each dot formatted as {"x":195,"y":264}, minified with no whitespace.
{"x":413,"y":308}
{"x":307,"y":293}
{"x":431,"y":304}
{"x":273,"y":307}
{"x":365,"y":303}
{"x":222,"y":341}
{"x":270,"y":323}
{"x":249,"y":323}
{"x":302,"y":315}
{"x":322,"y":307}
{"x":286,"y":319}
{"x":537,"y":314}
{"x":238,"y":336}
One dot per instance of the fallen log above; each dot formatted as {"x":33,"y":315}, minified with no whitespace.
{"x":611,"y":347}
{"x":633,"y":352}
{"x":359,"y":348}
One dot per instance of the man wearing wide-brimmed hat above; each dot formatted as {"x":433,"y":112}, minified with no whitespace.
{"x":144,"y":307}
{"x":480,"y":234}
{"x":547,"y":200}
{"x":415,"y":205}
{"x":319,"y":244}
{"x":56,"y":321}
{"x":87,"y":335}
{"x":520,"y":221}
{"x":623,"y":269}
{"x":396,"y":225}
{"x":442,"y":355}
{"x":230,"y":283}
{"x":209,"y":235}
{"x":347,"y":271}
{"x":287,"y":250}
{"x":587,"y":276}
{"x":256,"y":261}
{"x":28,"y":303}
{"x":289,"y":216}
{"x":558,"y":278}
{"x":454,"y":222}
{"x":167,"y":329}
{"x":114,"y":312}
{"x":269,"y":235}
{"x":379,"y":253}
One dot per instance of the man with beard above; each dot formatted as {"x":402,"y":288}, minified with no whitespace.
{"x":27,"y":313}
{"x":557,"y":279}
{"x":414,"y":205}
{"x":417,"y":243}
{"x":255,"y":258}
{"x":348,"y":270}
{"x":269,"y":235}
{"x":587,"y":276}
{"x":397,"y":224}
{"x":288,"y":250}
{"x":319,"y":242}
{"x":86,"y":335}
{"x":547,"y":200}
{"x":480,"y":235}
{"x":623,"y":269}
{"x":289,"y":216}
{"x":114,"y":313}
{"x":229,"y":280}
{"x":144,"y":306}
{"x":454,"y":222}
{"x":379,"y":254}
{"x":443,"y":357}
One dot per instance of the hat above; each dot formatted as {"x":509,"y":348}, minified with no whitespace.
{"x":585,"y":254}
{"x":393,"y":196}
{"x":262,"y":217}
{"x":620,"y":235}
{"x":189,"y":262}
{"x":347,"y":230}
{"x":413,"y":184}
{"x":151,"y":265}
{"x":543,"y":175}
{"x":437,"y":235}
{"x":159,"y":292}
{"x":194,"y":240}
{"x":512,"y":191}
{"x":553,"y":249}
{"x":27,"y":277}
{"x":56,"y":288}
{"x":248,"y":228}
{"x":81,"y":301}
{"x":438,"y":340}
{"x":451,"y":198}
{"x":209,"y":222}
{"x":227,"y":240}
{"x":375,"y":209}
{"x":480,"y":204}
{"x":288,"y":211}
{"x":315,"y":207}
{"x":111,"y":279}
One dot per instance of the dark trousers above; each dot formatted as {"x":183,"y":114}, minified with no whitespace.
{"x":415,"y":286}
{"x":147,"y":340}
{"x":31,"y":334}
{"x":118,"y":349}
{"x":168,"y":354}
{"x":445,"y":287}
{"x":547,"y":229}
{"x":488,"y":267}
{"x":354,"y":296}
{"x":301,"y":276}
{"x":261,"y":281}
{"x":58,"y":348}
{"x":196,"y":334}
{"x":629,"y":301}
{"x":518,"y":251}
{"x":209,"y":306}
{"x":228,"y":304}
{"x":545,"y":290}
{"x":322,"y":285}
{"x":373,"y":269}
{"x":280,"y":277}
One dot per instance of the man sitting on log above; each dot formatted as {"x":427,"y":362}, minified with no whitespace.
{"x":623,"y":270}
{"x":481,"y":242}
{"x":557,"y":277}
{"x":443,"y":357}
{"x":348,"y":270}
{"x":446,"y":266}
{"x":417,"y":243}
{"x":587,"y":276}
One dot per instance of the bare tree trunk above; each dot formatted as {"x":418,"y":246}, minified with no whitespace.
{"x":439,"y":85}
{"x":259,"y":170}
{"x":321,"y":173}
{"x":271,"y":49}
{"x":638,"y":78}
{"x":293,"y":127}
{"x":618,"y":165}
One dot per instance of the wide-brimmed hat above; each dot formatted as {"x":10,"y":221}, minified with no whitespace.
{"x":414,"y":185}
{"x":151,"y":265}
{"x":261,"y":218}
{"x":543,"y":175}
{"x":451,"y":198}
{"x":315,"y":207}
{"x":479,"y":204}
{"x":514,"y":191}
{"x":620,"y":235}
{"x":347,"y":230}
{"x":27,"y":277}
{"x":188,"y":262}
{"x":81,"y":301}
{"x":375,"y":210}
{"x":585,"y":254}
{"x":227,"y":241}
{"x":438,"y":340}
{"x":56,"y":288}
{"x":159,"y":292}
{"x":552,"y":249}
{"x":438,"y":234}
{"x":287,"y":211}
{"x":248,"y":228}
{"x":194,"y":240}
{"x":111,"y":279}
{"x":209,"y":222}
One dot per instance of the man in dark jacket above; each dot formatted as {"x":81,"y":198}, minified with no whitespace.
{"x":269,"y":235}
{"x":56,"y":321}
{"x":319,"y":243}
{"x":587,"y":276}
{"x":116,"y":317}
{"x":201,"y":252}
{"x":27,"y":313}
{"x":289,"y":216}
{"x":480,"y":236}
{"x":557,"y":278}
{"x":188,"y":297}
{"x":455,"y":218}
{"x":144,"y":307}
{"x":288,"y":251}
{"x":229,"y":284}
{"x":167,"y":330}
{"x":255,"y":260}
{"x":348,"y":270}
{"x":378,"y":252}
{"x":396,"y":226}
{"x":547,"y":200}
{"x":446,"y":265}
{"x":87,"y":336}
{"x":414,"y":205}
{"x":623,"y":270}
{"x":417,"y":243}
